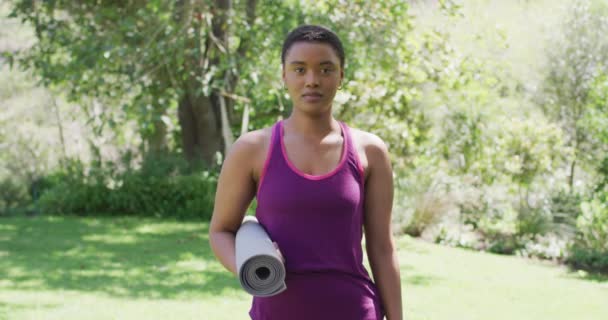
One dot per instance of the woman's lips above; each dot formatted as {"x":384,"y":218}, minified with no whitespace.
{"x":312,"y":97}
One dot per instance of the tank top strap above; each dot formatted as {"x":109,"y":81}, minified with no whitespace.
{"x":273,"y":154}
{"x":276,"y":134}
{"x":351,"y":153}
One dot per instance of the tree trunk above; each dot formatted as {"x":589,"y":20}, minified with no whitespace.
{"x":64,"y":155}
{"x":205,"y":120}
{"x":197,"y":114}
{"x":577,"y":144}
{"x":157,"y":141}
{"x":571,"y":177}
{"x":201,"y":134}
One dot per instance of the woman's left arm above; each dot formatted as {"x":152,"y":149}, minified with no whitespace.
{"x":379,"y":241}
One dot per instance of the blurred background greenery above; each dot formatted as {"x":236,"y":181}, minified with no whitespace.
{"x":495,"y":112}
{"x":115,"y":117}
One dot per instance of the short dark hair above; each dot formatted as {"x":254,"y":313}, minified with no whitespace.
{"x":313,"y":33}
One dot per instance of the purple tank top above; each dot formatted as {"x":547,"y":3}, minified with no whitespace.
{"x":317,"y":221}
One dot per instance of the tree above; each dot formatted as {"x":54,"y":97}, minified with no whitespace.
{"x":146,"y":55}
{"x":578,"y":54}
{"x":204,"y":65}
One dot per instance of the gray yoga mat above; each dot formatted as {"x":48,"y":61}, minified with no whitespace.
{"x":261,"y":271}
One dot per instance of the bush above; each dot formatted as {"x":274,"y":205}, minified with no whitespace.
{"x":504,"y":244}
{"x":429,"y":208}
{"x":590,"y":248}
{"x":163,"y":190}
{"x":550,"y":246}
{"x":13,"y":196}
{"x":565,"y":208}
{"x":588,"y":259}
{"x":603,"y":176}
{"x":533,"y":221}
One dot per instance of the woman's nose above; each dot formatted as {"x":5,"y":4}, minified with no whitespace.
{"x":312,"y":79}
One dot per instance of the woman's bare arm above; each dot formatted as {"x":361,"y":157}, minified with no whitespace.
{"x":380,"y":245}
{"x":235,"y":190}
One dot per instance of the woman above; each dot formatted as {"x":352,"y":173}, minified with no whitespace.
{"x":318,"y":183}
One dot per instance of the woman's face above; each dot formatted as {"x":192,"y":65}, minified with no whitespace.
{"x":312,"y":75}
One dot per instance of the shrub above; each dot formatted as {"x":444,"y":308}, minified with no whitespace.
{"x":588,"y":259}
{"x":163,"y":190}
{"x":603,"y":175}
{"x":13,"y":196}
{"x":533,"y":221}
{"x":503,"y":244}
{"x":565,"y":208}
{"x":429,"y":208}
{"x":550,"y":246}
{"x":590,"y":248}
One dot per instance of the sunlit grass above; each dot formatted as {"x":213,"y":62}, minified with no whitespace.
{"x":448,"y":283}
{"x":133,"y":268}
{"x":120,"y":267}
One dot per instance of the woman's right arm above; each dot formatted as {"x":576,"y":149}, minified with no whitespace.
{"x":235,"y":190}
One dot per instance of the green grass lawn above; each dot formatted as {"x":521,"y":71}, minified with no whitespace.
{"x":119,"y":268}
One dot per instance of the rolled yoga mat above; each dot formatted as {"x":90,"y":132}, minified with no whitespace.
{"x":261,"y":270}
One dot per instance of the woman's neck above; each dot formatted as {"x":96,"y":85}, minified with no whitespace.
{"x":314,"y":127}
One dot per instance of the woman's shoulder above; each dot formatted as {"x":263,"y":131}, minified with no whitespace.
{"x":371,"y":149}
{"x":252,"y":147}
{"x":252,"y":143}
{"x":254,"y":139}
{"x":367,"y":140}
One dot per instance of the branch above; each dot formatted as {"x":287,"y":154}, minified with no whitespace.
{"x":244,"y":45}
{"x":235,"y":97}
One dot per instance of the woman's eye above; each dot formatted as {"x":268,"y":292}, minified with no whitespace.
{"x":299,"y":70}
{"x":326,"y":70}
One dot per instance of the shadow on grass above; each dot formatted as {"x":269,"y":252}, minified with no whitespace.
{"x":120,"y":257}
{"x":124,"y":257}
{"x":585,"y":275}
{"x":410,"y":276}
{"x":12,"y":307}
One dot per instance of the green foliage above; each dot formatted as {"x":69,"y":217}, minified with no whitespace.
{"x":144,"y":58}
{"x":148,"y":191}
{"x":113,"y":53}
{"x":603,"y":171}
{"x":533,"y":221}
{"x":596,"y":121}
{"x":138,"y":59}
{"x":565,"y":210}
{"x":590,"y":248}
{"x":577,"y":56}
{"x":27,"y":131}
{"x":462,"y":137}
{"x":13,"y":196}
{"x":429,"y":208}
{"x":452,"y":116}
{"x":588,"y":259}
{"x":550,"y":246}
{"x":503,"y":244}
{"x":529,"y":148}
